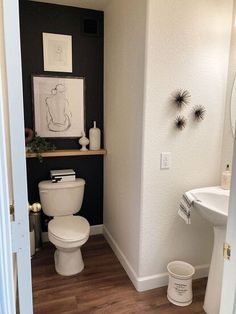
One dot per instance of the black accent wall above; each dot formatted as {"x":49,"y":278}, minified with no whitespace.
{"x":87,"y":52}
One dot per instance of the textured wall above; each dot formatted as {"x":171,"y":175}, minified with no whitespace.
{"x":228,"y":140}
{"x":124,"y":81}
{"x":35,"y":19}
{"x":187,"y":47}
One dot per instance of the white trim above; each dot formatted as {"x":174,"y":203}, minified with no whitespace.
{"x":17,"y":147}
{"x":228,"y":294}
{"x":147,"y":282}
{"x":201,"y":271}
{"x":7,"y":304}
{"x":14,"y":268}
{"x":96,"y":229}
{"x":161,"y":280}
{"x":121,"y":257}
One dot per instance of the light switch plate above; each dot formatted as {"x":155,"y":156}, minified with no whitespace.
{"x":165,"y":160}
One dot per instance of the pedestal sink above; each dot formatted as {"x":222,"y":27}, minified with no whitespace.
{"x":212,"y":204}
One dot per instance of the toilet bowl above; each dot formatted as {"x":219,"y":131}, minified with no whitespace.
{"x":67,"y":232}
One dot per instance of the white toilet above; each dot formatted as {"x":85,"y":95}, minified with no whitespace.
{"x":67,"y":232}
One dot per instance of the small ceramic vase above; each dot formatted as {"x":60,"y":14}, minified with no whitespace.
{"x":83,"y":141}
{"x":94,"y":137}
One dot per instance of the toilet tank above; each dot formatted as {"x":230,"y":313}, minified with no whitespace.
{"x":62,"y":198}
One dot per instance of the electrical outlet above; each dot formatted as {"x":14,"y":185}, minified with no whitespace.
{"x":165,"y":160}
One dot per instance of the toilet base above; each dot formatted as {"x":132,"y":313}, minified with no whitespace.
{"x":68,"y":262}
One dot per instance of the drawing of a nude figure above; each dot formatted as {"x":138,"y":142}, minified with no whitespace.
{"x":58,"y":112}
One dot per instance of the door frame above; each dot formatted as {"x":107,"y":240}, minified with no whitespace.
{"x":228,"y":295}
{"x":7,"y":288}
{"x":16,"y":233}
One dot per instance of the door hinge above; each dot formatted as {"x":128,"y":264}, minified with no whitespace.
{"x":226,"y":251}
{"x":12,"y":209}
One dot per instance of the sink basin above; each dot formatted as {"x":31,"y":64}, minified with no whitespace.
{"x":212,"y":204}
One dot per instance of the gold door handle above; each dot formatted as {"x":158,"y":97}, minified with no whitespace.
{"x":35,"y":207}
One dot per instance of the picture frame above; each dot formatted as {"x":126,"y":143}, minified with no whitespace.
{"x":58,"y":106}
{"x":57,"y":52}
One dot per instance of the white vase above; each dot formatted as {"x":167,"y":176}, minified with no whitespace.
{"x":83,"y":141}
{"x":94,"y":137}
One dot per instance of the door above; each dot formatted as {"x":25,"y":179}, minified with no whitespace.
{"x":14,"y":237}
{"x":228,"y":298}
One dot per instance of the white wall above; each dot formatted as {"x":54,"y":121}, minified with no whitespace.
{"x":228,"y":140}
{"x":187,"y":47}
{"x":124,"y":81}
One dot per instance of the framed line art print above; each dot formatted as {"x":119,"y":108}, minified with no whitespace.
{"x":58,"y":104}
{"x":57,"y":52}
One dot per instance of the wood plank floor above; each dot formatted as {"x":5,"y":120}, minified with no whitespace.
{"x":103,"y":287}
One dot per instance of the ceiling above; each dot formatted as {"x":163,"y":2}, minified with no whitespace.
{"x":88,"y":4}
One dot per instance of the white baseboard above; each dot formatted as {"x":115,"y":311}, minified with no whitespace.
{"x":96,"y":229}
{"x":121,"y":257}
{"x":201,"y":271}
{"x":161,"y":280}
{"x":140,"y":283}
{"x":147,"y":282}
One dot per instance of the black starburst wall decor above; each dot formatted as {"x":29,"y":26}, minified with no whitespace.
{"x":199,"y":112}
{"x":180,"y":98}
{"x":180,"y":122}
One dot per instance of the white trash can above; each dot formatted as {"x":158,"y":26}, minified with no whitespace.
{"x":180,"y":283}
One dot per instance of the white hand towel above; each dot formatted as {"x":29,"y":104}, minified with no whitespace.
{"x":185,"y":206}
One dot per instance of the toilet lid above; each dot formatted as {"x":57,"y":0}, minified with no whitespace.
{"x":69,"y":228}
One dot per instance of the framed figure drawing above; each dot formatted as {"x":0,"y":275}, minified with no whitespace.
{"x":58,"y":106}
{"x":57,"y":52}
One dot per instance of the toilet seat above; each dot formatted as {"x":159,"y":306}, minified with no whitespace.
{"x":69,"y":228}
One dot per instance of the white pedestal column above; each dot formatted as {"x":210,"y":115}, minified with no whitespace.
{"x":214,"y":283}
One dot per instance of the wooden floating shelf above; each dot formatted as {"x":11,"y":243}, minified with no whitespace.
{"x":68,"y":152}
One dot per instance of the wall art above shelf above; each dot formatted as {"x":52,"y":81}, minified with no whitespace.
{"x":68,"y":152}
